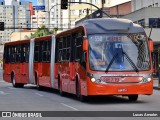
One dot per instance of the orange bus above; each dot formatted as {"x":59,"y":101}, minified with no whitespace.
{"x":98,"y":57}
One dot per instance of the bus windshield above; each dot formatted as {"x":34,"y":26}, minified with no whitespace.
{"x":118,"y":52}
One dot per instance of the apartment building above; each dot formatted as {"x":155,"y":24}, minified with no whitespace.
{"x":15,"y":17}
{"x":38,"y":18}
{"x":41,"y":2}
{"x":65,"y":19}
{"x":138,"y":4}
{"x":146,"y":13}
{"x":54,"y":14}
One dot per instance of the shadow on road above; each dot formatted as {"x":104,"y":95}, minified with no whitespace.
{"x":92,"y":99}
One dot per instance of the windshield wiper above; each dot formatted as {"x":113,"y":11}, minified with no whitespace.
{"x":130,"y":61}
{"x":109,"y":65}
{"x":127,"y":57}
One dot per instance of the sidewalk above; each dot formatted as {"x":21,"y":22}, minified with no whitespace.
{"x":155,"y":84}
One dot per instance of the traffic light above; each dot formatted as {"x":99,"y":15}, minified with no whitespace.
{"x":64,"y":4}
{"x":1,"y":26}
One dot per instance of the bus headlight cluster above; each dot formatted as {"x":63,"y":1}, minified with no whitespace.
{"x":144,"y":80}
{"x":94,"y":80}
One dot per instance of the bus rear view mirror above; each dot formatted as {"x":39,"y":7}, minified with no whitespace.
{"x":150,"y":43}
{"x":85,"y":45}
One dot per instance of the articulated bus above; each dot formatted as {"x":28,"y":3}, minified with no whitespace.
{"x":99,"y":57}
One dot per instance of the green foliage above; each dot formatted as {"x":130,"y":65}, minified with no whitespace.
{"x":42,"y":31}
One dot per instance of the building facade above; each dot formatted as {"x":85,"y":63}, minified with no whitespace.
{"x":41,"y":2}
{"x":38,"y":18}
{"x":79,"y":11}
{"x":65,"y":19}
{"x":16,"y":16}
{"x":146,"y":14}
{"x":54,"y":14}
{"x":138,"y":4}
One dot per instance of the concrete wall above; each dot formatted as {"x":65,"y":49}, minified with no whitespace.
{"x":20,"y":35}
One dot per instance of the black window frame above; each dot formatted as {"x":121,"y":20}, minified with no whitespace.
{"x":46,"y":51}
{"x":37,"y":55}
{"x":25,"y":52}
{"x":78,"y":46}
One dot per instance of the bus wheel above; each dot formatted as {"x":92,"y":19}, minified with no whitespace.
{"x":82,"y":98}
{"x":133,"y":97}
{"x":60,"y":87}
{"x":20,"y":85}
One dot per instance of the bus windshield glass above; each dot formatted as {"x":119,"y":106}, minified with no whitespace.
{"x":118,"y":52}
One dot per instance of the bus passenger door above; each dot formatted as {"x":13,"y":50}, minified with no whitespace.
{"x":45,"y":60}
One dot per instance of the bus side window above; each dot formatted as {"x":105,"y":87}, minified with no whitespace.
{"x":46,"y":51}
{"x":64,"y":55}
{"x":68,"y":49}
{"x":37,"y":51}
{"x":73,"y":45}
{"x":13,"y":54}
{"x":60,"y":49}
{"x":25,"y":53}
{"x":7,"y":54}
{"x":18,"y":53}
{"x":78,"y":45}
{"x":56,"y":50}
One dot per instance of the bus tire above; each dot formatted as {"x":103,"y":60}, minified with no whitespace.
{"x":132,"y":97}
{"x":60,"y":87}
{"x":14,"y":84}
{"x":82,"y":98}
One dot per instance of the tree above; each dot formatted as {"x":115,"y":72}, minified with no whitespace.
{"x":42,"y":31}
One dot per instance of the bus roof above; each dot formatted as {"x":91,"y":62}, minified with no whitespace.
{"x":110,"y":25}
{"x":27,"y":40}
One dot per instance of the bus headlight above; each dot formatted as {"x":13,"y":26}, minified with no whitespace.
{"x":93,"y":79}
{"x":149,"y":79}
{"x":144,"y":80}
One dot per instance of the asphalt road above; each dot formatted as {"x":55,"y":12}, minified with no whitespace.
{"x":30,"y":99}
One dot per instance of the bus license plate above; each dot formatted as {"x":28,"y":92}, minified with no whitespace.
{"x":111,"y":79}
{"x":122,"y":90}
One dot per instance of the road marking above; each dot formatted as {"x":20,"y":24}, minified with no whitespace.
{"x":39,"y":94}
{"x":12,"y":88}
{"x":3,"y":93}
{"x":69,"y":106}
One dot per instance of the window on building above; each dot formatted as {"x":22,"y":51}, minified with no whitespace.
{"x":154,"y":22}
{"x":156,"y":4}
